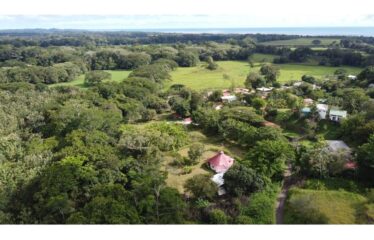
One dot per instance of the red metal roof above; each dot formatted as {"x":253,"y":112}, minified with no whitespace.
{"x":221,"y":162}
{"x":350,"y":165}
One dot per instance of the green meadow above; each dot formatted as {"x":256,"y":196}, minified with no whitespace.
{"x":228,"y":74}
{"x":233,"y":73}
{"x":302,"y":42}
{"x":336,"y":207}
{"x":117,"y":76}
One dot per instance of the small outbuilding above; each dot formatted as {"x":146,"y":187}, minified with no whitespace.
{"x":322,"y":110}
{"x":220,"y":163}
{"x":308,"y":101}
{"x":305,"y":111}
{"x":337,"y":145}
{"x":229,"y":98}
{"x":337,"y":115}
{"x":352,"y":77}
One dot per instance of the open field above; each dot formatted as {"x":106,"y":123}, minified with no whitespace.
{"x":212,"y":146}
{"x":117,"y":76}
{"x":336,"y":207}
{"x":231,"y":73}
{"x":302,"y":42}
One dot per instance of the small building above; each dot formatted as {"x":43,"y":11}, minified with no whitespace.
{"x":218,"y":107}
{"x":229,"y":98}
{"x":305,"y":111}
{"x":187,"y":121}
{"x":322,"y":110}
{"x":322,"y":100}
{"x":308,"y":101}
{"x":371,"y":85}
{"x":337,"y":146}
{"x":298,"y":84}
{"x":264,"y":89}
{"x":218,"y":179}
{"x":220,"y":163}
{"x":243,"y":91}
{"x":340,"y":147}
{"x":269,"y":124}
{"x":352,"y":77}
{"x":226,"y":92}
{"x":337,"y":115}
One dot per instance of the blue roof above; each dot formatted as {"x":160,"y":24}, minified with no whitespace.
{"x":306,"y":110}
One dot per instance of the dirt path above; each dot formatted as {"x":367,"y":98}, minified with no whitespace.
{"x":283,"y":195}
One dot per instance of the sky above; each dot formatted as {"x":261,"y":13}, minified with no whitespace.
{"x":159,"y":14}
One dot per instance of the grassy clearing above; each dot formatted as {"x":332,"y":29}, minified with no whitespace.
{"x":290,"y":72}
{"x":261,"y":58}
{"x":212,"y":145}
{"x":117,"y":76}
{"x":336,"y":207}
{"x":302,"y":42}
{"x":233,"y":73}
{"x":199,"y":78}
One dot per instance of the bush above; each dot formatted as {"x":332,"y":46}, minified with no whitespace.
{"x":301,"y":210}
{"x":261,"y":206}
{"x":186,"y":170}
{"x":201,"y":186}
{"x":195,"y":152}
{"x":217,"y":216}
{"x":96,"y":77}
{"x":242,"y":219}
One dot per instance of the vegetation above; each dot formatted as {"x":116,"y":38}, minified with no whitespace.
{"x":116,"y":128}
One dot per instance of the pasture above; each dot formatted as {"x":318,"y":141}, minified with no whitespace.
{"x":335,"y":207}
{"x":302,"y":42}
{"x":117,"y":76}
{"x":233,"y":73}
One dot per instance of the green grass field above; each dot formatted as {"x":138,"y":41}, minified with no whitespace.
{"x":337,"y":207}
{"x":117,"y":76}
{"x":302,"y":42}
{"x":234,"y":73}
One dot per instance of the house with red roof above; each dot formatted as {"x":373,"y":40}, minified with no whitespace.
{"x":220,"y":163}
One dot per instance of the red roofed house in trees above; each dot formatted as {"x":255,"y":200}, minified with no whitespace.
{"x":220,"y":162}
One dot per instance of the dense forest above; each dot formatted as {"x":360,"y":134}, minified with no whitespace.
{"x":99,"y":154}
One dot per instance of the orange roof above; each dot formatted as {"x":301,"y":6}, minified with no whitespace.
{"x":269,"y":124}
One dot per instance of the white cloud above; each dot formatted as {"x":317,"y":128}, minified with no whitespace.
{"x":188,"y":13}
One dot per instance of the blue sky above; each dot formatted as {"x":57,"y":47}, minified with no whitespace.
{"x":159,"y":21}
{"x":124,"y":14}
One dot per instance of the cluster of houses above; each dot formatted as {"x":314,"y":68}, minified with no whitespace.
{"x":221,"y":163}
{"x":324,"y":111}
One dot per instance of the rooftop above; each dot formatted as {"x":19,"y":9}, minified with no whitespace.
{"x":337,"y":145}
{"x":340,"y":113}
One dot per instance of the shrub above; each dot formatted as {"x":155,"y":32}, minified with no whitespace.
{"x":242,"y":219}
{"x":201,"y":186}
{"x":195,"y":152}
{"x":261,"y":206}
{"x":186,"y":170}
{"x":217,"y":216}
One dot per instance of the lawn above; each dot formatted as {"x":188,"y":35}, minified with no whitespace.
{"x":233,"y":73}
{"x":302,"y":42}
{"x":337,"y":207}
{"x":228,"y":73}
{"x":212,"y":146}
{"x":117,"y":76}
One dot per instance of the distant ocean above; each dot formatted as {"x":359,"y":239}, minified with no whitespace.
{"x":312,"y":31}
